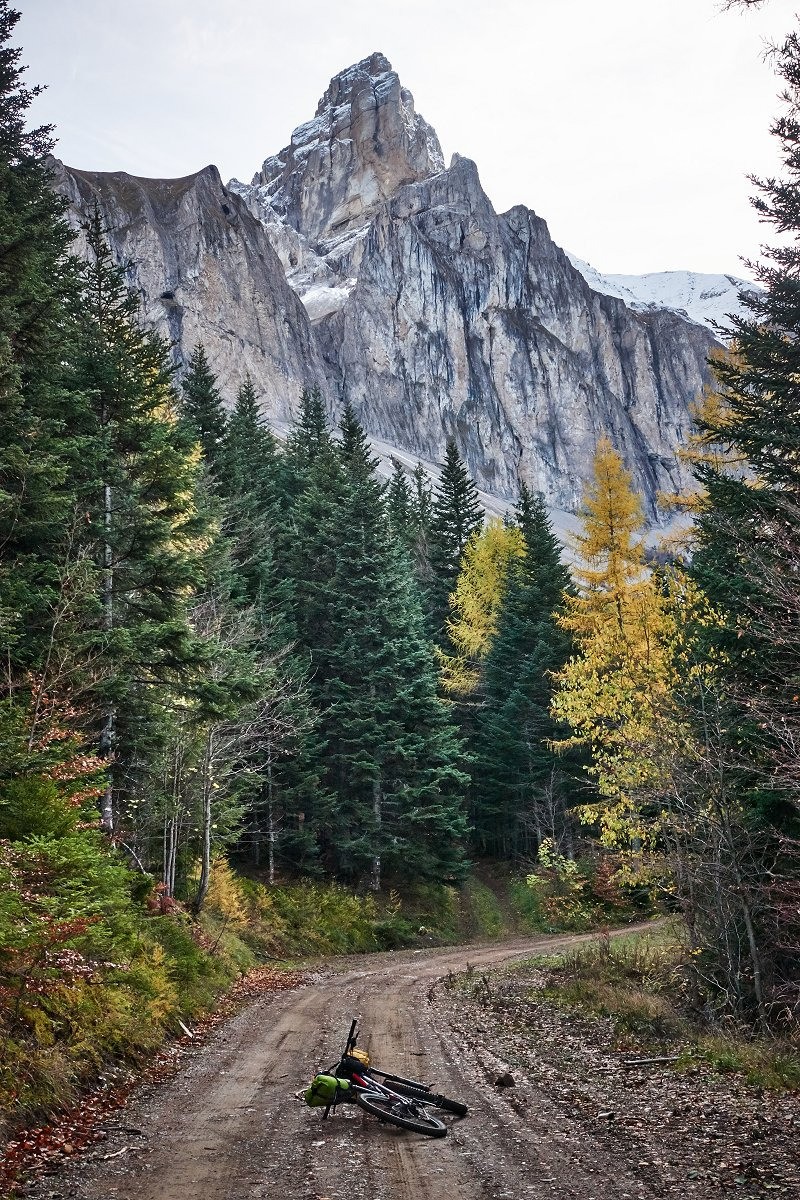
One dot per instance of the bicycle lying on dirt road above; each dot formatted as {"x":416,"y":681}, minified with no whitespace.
{"x":406,"y":1103}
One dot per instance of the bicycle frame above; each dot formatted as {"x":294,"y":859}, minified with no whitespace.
{"x":365,"y":1079}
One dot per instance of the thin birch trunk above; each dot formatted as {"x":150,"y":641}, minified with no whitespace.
{"x":271,"y":814}
{"x":377,"y":810}
{"x":107,"y":731}
{"x":205,"y":864}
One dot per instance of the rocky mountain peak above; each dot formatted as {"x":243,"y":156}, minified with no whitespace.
{"x":371,"y":70}
{"x":356,"y":260}
{"x":364,"y":143}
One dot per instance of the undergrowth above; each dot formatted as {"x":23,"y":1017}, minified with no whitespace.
{"x":643,"y":984}
{"x":98,"y":966}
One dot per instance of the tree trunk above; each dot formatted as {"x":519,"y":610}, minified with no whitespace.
{"x":377,"y":810}
{"x":270,"y":817}
{"x":205,"y":860}
{"x":107,"y":731}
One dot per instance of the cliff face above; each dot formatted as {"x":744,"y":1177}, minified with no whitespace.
{"x":364,"y":142}
{"x":356,"y":259}
{"x":468,"y":324}
{"x":207,"y":273}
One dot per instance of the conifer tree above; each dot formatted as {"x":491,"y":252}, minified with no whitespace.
{"x":202,"y":408}
{"x":409,"y":505}
{"x":610,"y":690}
{"x":476,"y":602}
{"x":400,"y":508}
{"x":747,"y":562}
{"x":748,"y":531}
{"x":309,"y":438}
{"x":248,"y":470}
{"x":38,"y":503}
{"x":522,"y":789}
{"x":390,"y":753}
{"x":137,"y":483}
{"x":288,"y":806}
{"x":456,"y":514}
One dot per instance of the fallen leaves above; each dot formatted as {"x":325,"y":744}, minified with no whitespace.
{"x":690,"y":1133}
{"x":39,"y":1150}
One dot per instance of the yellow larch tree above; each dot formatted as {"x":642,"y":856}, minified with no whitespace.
{"x":475,"y":603}
{"x":705,"y":449}
{"x":612,"y":691}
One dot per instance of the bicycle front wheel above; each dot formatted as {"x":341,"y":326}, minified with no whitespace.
{"x":393,"y":1111}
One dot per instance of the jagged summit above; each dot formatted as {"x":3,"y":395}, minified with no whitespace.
{"x":375,"y":68}
{"x":399,"y":288}
{"x":365,"y":141}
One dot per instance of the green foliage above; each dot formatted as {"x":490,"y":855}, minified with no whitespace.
{"x":482,"y":912}
{"x":743,"y":709}
{"x":455,"y":515}
{"x":202,"y":408}
{"x":521,"y":788}
{"x":391,"y":756}
{"x":562,"y":890}
{"x":763,"y":1062}
{"x":33,"y":806}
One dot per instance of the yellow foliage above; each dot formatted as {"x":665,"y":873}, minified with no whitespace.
{"x":475,"y":603}
{"x":225,"y":894}
{"x":613,"y":691}
{"x":610,"y":554}
{"x":705,"y":447}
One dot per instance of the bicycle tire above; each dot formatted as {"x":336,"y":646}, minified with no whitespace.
{"x":383,"y":1107}
{"x":391,"y":1080}
{"x":437,"y":1101}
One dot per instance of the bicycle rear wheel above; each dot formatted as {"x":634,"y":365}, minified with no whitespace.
{"x":404,"y":1115}
{"x":432,"y":1098}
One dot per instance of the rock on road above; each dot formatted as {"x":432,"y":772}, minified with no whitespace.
{"x":230,"y":1125}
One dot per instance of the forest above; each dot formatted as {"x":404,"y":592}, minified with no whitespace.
{"x":232,"y":663}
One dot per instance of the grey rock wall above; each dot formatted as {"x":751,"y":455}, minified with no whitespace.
{"x":207,"y":272}
{"x":355,"y":259}
{"x":476,"y":326}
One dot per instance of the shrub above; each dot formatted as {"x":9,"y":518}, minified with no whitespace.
{"x":32,"y":806}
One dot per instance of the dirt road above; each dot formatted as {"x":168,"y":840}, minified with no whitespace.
{"x":229,"y":1126}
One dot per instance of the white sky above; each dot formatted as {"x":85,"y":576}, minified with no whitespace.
{"x":629,"y":125}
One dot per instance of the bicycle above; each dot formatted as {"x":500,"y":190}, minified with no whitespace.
{"x":391,"y":1098}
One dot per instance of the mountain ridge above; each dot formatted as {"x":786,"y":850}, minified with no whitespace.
{"x":358,"y":260}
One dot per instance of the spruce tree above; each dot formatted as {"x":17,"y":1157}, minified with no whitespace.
{"x":749,"y":529}
{"x":400,"y":508}
{"x":521,"y":788}
{"x":137,"y":480}
{"x":286,"y":806}
{"x":203,"y":409}
{"x":390,"y":753}
{"x":309,"y":438}
{"x":409,"y":505}
{"x":39,"y":509}
{"x":248,"y":470}
{"x":456,"y":514}
{"x":747,"y":561}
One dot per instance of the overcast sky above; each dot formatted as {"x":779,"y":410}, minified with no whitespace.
{"x":629,"y":125}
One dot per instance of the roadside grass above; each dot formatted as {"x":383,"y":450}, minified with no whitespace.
{"x":640,"y":982}
{"x":96,"y":997}
{"x":555,"y":894}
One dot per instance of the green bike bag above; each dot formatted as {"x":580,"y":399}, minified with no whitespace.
{"x":325,"y":1090}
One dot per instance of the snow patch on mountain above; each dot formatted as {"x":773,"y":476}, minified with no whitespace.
{"x":705,"y":299}
{"x":320,"y":302}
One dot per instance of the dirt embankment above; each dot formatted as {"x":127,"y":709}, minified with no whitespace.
{"x":229,"y":1125}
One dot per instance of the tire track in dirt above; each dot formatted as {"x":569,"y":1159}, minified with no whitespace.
{"x":229,"y":1126}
